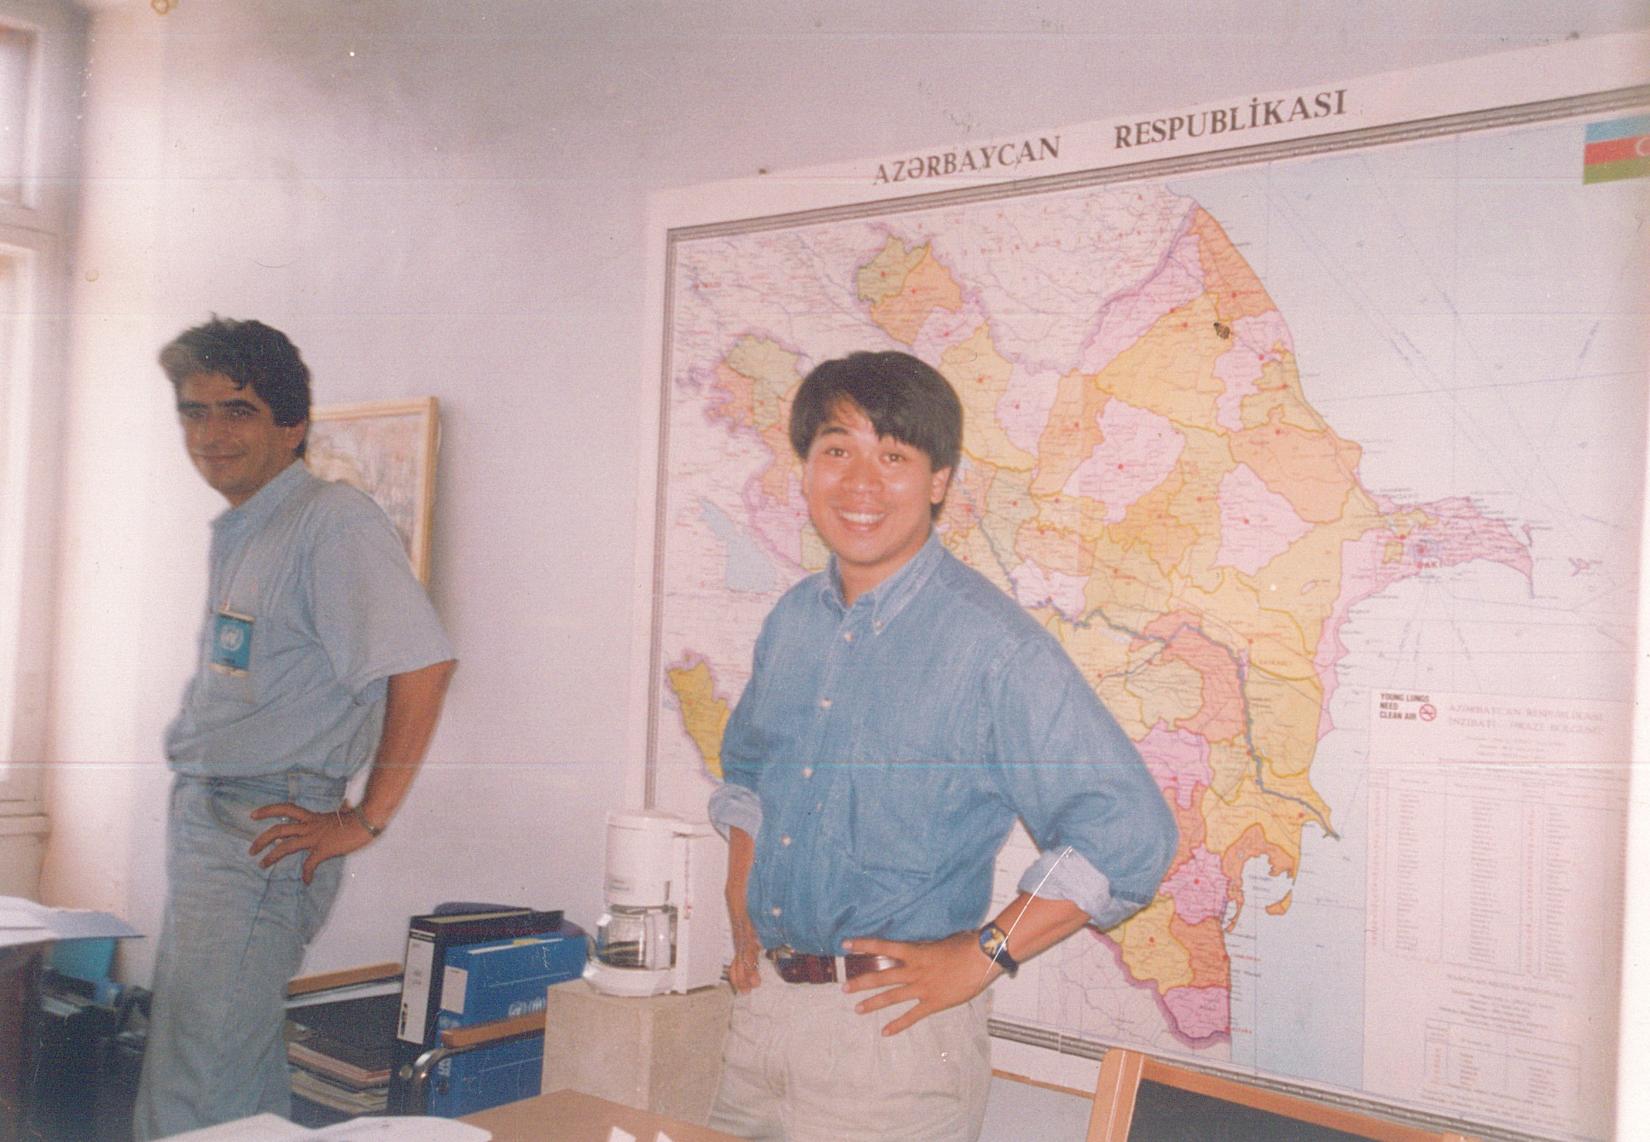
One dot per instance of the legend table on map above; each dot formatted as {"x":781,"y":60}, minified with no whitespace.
{"x":1496,"y":837}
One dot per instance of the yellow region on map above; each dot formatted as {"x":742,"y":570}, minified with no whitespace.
{"x":704,"y":713}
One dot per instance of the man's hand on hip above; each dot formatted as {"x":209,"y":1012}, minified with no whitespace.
{"x":333,"y":833}
{"x":938,"y":975}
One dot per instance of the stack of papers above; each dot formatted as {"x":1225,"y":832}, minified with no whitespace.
{"x":23,"y":922}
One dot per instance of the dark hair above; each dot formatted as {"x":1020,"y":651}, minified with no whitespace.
{"x":902,"y":397}
{"x":248,"y":353}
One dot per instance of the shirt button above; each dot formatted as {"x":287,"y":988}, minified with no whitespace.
{"x":824,"y":703}
{"x":785,"y":841}
{"x":877,"y":626}
{"x":808,"y":771}
{"x":847,"y":636}
{"x":777,"y":910}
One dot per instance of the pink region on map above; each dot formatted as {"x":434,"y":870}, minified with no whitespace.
{"x":1024,"y":407}
{"x":1256,"y":524}
{"x":1256,"y":342}
{"x":1178,"y":762}
{"x":1199,"y":1012}
{"x":1137,"y":451}
{"x":1036,"y":586}
{"x":1455,"y":531}
{"x":1126,"y":317}
{"x":1197,"y":887}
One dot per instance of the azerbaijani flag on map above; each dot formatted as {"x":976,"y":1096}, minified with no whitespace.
{"x":1619,"y":148}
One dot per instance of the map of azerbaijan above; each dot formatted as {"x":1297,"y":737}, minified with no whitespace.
{"x":1142,"y":471}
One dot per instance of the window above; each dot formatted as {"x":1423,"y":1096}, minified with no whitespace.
{"x":17,"y":54}
{"x":40,"y":46}
{"x":24,"y":636}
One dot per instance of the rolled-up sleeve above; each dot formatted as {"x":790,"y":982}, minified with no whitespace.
{"x":735,"y":803}
{"x":1079,"y":785}
{"x":735,"y":807}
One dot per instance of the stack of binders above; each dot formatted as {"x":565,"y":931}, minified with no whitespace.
{"x":340,"y":1055}
{"x":463,"y":970}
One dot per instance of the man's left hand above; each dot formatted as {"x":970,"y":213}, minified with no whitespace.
{"x":938,"y":975}
{"x":334,"y":833}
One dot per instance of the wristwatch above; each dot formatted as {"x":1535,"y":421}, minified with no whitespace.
{"x":994,"y":943}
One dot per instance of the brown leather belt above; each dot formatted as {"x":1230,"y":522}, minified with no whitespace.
{"x":800,"y":967}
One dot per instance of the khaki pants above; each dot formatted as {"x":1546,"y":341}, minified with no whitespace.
{"x":800,"y":1065}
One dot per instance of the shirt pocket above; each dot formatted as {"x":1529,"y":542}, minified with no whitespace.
{"x":222,"y":686}
{"x":898,"y":811}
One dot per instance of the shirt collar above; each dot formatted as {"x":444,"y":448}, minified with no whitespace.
{"x":891,"y":596}
{"x":266,"y":499}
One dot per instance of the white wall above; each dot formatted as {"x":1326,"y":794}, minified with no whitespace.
{"x":448,"y":199}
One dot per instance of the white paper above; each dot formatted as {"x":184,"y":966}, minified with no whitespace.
{"x":259,"y":1128}
{"x":11,"y":919}
{"x":411,"y":1128}
{"x":26,"y":922}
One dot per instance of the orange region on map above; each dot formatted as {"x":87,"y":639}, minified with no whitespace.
{"x":1219,"y":714}
{"x":1150,"y":949}
{"x":980,"y":375}
{"x":1231,"y":284}
{"x":1205,"y":946}
{"x":1314,"y":471}
{"x":904,"y":286}
{"x":1248,"y":845}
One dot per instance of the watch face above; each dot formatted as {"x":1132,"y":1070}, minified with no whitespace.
{"x":994,"y":943}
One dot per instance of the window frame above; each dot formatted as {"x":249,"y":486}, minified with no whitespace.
{"x":36,"y":235}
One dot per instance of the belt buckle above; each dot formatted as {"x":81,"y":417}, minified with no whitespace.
{"x":800,"y":967}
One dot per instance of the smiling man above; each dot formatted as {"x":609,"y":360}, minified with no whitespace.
{"x":319,"y":653}
{"x":901,"y":713}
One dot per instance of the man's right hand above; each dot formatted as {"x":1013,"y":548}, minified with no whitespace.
{"x":747,"y":949}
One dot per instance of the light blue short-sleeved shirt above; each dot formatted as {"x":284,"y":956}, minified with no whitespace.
{"x":881,"y":752}
{"x":315,"y":577}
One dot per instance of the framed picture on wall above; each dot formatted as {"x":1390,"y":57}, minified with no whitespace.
{"x":387,"y":449}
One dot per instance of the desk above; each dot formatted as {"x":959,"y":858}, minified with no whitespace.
{"x":569,"y":1116}
{"x":19,"y":991}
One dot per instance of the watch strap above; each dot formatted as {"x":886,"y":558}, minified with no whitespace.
{"x":994,"y":943}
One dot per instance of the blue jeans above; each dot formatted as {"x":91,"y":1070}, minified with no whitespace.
{"x":234,"y":935}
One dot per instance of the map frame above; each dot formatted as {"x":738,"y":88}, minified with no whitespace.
{"x":1574,"y":81}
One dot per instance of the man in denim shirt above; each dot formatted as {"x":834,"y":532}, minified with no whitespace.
{"x":901,"y":713}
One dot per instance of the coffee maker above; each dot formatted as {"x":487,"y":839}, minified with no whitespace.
{"x":665,"y":926}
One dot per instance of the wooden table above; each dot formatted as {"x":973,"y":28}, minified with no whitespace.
{"x":572,"y":1116}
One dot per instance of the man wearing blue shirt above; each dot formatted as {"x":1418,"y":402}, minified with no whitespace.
{"x":318,"y":653}
{"x":901,"y":713}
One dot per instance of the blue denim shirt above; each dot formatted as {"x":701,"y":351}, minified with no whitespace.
{"x":335,"y":611}
{"x":881,"y":752}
